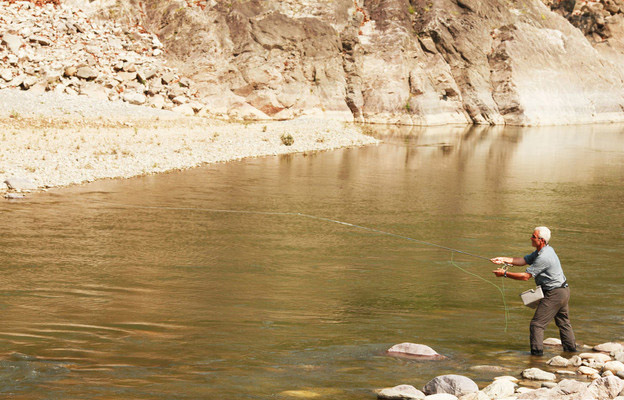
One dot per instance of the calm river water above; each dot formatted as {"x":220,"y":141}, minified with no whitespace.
{"x":105,"y":297}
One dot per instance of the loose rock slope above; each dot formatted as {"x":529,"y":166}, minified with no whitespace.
{"x":389,"y":61}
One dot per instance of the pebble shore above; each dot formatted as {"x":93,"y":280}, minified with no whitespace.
{"x":594,"y":373}
{"x":55,"y":139}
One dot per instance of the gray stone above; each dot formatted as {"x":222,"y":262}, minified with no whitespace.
{"x":17,"y":81}
{"x":619,"y":356}
{"x":168,"y":78}
{"x":606,"y":388}
{"x":94,"y":91}
{"x":575,"y":361}
{"x":614,"y":366}
{"x":127,"y":76}
{"x":552,"y":342}
{"x":538,"y":375}
{"x":587,"y":370}
{"x":570,"y":386}
{"x":609,"y":347}
{"x":157,"y":101}
{"x":12,"y":42}
{"x":145,"y":74}
{"x":70,"y":71}
{"x":14,"y":196}
{"x":28,"y":82}
{"x":184,"y":109}
{"x":620,"y":375}
{"x":558,"y":361}
{"x":413,"y":349}
{"x":134,"y":98}
{"x":6,"y":74}
{"x":20,"y":184}
{"x":456,"y":385}
{"x":180,"y":100}
{"x":441,"y":396}
{"x":12,"y":59}
{"x":401,"y":392}
{"x":499,"y":389}
{"x":87,"y":73}
{"x":475,"y":396}
{"x":175,"y":91}
{"x":599,"y":357}
{"x":41,"y":40}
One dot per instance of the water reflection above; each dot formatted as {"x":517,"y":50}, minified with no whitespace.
{"x":177,"y":301}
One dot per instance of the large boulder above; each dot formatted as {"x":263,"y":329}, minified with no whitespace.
{"x":606,"y":388}
{"x":456,"y":385}
{"x":413,"y":350}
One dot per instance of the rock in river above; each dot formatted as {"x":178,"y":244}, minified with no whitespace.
{"x":414,"y":350}
{"x":538,"y":375}
{"x":456,"y":385}
{"x":401,"y":392}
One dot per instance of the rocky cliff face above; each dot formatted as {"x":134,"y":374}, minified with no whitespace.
{"x":420,"y":62}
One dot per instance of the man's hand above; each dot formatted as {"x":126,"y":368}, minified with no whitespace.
{"x":499,"y":260}
{"x":499,"y":272}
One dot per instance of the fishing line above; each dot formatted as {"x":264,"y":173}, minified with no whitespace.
{"x":422,"y":242}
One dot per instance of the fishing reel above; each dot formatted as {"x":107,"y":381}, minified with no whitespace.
{"x":506,"y":266}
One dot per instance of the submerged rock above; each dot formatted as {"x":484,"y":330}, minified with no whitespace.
{"x":552,"y":342}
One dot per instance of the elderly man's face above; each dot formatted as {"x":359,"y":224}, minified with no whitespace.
{"x":535,"y":240}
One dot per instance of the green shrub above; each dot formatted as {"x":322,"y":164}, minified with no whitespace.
{"x":287,"y":139}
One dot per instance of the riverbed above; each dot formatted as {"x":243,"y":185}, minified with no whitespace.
{"x":152,"y":288}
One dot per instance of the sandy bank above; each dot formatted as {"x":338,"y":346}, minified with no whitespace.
{"x":58,"y":140}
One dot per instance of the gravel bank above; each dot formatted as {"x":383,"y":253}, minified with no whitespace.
{"x":57,"y":139}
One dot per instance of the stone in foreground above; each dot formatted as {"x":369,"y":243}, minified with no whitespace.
{"x":401,"y":392}
{"x":538,"y":375}
{"x":606,"y":388}
{"x":499,"y":389}
{"x":414,"y":350}
{"x":441,"y":396}
{"x":456,"y":385}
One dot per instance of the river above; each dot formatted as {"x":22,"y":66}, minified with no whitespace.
{"x":139,"y":289}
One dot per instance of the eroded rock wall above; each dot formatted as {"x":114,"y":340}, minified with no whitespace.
{"x":419,"y":62}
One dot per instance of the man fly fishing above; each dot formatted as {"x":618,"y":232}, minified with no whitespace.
{"x":545,"y":267}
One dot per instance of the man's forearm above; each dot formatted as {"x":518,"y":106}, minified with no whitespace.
{"x":519,"y":261}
